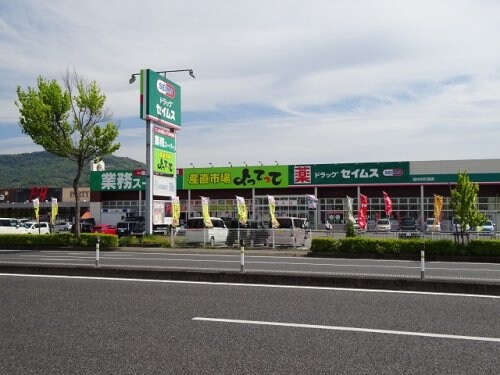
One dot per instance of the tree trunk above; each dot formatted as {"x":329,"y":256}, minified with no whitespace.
{"x":76,"y":183}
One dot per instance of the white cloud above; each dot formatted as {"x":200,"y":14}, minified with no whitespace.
{"x":353,"y":80}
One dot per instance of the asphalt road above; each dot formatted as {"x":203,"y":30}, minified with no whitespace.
{"x":203,"y":260}
{"x":61,"y":325}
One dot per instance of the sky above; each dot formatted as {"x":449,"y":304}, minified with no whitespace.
{"x":277,"y":81}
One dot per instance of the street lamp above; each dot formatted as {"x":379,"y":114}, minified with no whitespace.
{"x":190,"y":71}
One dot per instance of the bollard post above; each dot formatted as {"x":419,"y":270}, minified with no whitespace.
{"x":242,"y":255}
{"x":97,"y":252}
{"x":422,"y":261}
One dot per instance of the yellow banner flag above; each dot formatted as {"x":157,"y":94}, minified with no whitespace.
{"x":242,"y":210}
{"x":54,"y":211}
{"x":176,"y":211}
{"x":205,"y":212}
{"x":438,"y":206}
{"x":272,"y":211}
{"x":36,"y":207}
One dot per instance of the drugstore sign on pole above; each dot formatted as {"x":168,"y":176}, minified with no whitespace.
{"x":161,"y":108}
{"x":160,"y":100}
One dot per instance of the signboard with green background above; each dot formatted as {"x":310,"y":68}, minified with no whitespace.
{"x":164,"y":156}
{"x":349,"y":174}
{"x":236,"y":177}
{"x":116,"y":181}
{"x":160,"y":99}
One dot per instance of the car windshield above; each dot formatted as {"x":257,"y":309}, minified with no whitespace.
{"x":383,"y":221}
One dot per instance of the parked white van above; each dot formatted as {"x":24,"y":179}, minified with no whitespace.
{"x":197,"y":232}
{"x":291,"y":232}
{"x":10,"y":225}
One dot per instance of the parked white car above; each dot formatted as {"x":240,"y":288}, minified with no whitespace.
{"x":489,"y":226}
{"x":430,"y":227}
{"x":198,"y":233}
{"x":33,"y":227}
{"x":383,"y":225}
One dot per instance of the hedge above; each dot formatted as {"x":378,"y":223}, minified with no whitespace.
{"x":403,"y":248}
{"x":58,"y":240}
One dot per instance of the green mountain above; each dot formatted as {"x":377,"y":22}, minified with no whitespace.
{"x":45,"y":169}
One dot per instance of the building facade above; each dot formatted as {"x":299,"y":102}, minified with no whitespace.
{"x":411,"y":186}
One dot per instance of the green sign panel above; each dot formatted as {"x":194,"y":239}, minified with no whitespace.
{"x":164,"y":156}
{"x":160,"y":99}
{"x":235,"y":178}
{"x":349,"y":174}
{"x":116,"y":181}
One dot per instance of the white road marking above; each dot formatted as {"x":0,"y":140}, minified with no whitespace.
{"x":254,"y":285}
{"x":351,"y":329}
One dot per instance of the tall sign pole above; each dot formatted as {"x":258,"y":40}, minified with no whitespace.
{"x":149,"y":179}
{"x":161,"y":109}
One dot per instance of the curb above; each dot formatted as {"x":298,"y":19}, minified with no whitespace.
{"x":378,"y":283}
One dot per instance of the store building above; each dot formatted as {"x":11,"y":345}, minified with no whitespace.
{"x":410,"y":185}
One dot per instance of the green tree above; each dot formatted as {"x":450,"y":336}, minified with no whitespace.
{"x":464,"y":204}
{"x":349,"y":229}
{"x":69,"y":121}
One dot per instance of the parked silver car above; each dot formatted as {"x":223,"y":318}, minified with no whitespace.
{"x":62,"y":227}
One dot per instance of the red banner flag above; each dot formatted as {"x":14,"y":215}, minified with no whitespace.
{"x":362,"y":209}
{"x":388,"y":204}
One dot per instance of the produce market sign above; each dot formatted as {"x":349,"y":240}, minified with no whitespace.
{"x":160,"y":100}
{"x":235,"y":178}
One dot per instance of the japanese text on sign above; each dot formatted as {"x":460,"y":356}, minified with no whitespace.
{"x":348,"y":173}
{"x":209,"y":178}
{"x":258,"y":175}
{"x":120,"y":181}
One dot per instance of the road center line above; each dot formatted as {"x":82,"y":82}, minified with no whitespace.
{"x":350,"y":329}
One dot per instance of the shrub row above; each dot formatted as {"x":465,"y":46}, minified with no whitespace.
{"x":58,"y":240}
{"x":403,"y":248}
{"x":147,"y":240}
